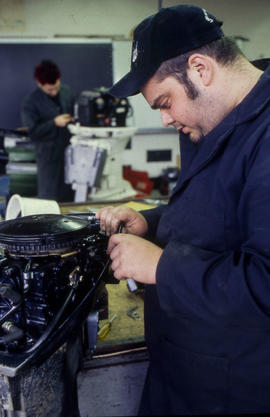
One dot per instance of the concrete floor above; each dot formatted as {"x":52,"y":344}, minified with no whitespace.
{"x":112,"y":386}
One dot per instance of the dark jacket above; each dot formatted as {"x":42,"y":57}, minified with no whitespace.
{"x":208,"y":317}
{"x":38,"y":113}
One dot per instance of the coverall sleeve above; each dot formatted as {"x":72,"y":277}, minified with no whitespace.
{"x":230,"y":288}
{"x":152,"y":217}
{"x":38,"y":128}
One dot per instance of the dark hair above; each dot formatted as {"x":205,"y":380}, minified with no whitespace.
{"x":47,"y":72}
{"x":224,"y":50}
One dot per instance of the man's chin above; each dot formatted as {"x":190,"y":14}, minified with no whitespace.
{"x":195,"y":137}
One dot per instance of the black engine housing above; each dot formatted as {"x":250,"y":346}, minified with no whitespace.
{"x":51,"y":271}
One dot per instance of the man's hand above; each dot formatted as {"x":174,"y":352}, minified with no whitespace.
{"x":133,"y":257}
{"x":63,"y":119}
{"x":111,"y":217}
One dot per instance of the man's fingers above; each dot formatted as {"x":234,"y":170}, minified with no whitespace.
{"x":109,"y":222}
{"x":113,"y":242}
{"x":111,"y":218}
{"x":117,"y":268}
{"x":115,"y":264}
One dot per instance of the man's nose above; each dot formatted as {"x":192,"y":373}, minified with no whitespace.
{"x":166,"y":118}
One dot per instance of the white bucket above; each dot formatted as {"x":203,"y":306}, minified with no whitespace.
{"x":21,"y":206}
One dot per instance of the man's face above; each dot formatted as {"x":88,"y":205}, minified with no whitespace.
{"x":191,"y":117}
{"x":50,"y":89}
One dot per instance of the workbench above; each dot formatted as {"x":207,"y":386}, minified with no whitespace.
{"x":126,"y":332}
{"x":119,"y":365}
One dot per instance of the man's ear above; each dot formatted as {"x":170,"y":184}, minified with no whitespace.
{"x":201,"y":68}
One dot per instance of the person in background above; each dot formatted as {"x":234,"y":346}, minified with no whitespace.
{"x":46,"y":113}
{"x":205,"y":257}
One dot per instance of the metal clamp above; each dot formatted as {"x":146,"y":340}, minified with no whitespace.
{"x":132,"y":313}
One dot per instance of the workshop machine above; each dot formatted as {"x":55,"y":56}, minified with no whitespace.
{"x":52,"y":277}
{"x":97,"y":108}
{"x":93,"y":160}
{"x":21,"y":167}
{"x":94,"y":165}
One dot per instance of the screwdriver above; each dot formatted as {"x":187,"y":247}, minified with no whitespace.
{"x":131,"y":284}
{"x":102,"y":333}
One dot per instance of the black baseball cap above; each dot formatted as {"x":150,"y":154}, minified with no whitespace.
{"x":170,"y":32}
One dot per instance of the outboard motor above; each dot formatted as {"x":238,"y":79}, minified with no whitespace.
{"x":52,"y":274}
{"x":99,"y":109}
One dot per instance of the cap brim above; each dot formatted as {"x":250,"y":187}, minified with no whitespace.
{"x":129,"y":85}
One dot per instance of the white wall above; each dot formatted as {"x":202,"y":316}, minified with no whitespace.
{"x":47,"y":18}
{"x":136,"y":157}
{"x":143,"y":117}
{"x":115,"y":19}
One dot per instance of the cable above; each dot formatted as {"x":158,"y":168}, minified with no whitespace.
{"x":11,"y":296}
{"x":14,"y":333}
{"x":53,"y":323}
{"x":59,"y":314}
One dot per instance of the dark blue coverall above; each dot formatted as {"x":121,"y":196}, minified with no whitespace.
{"x":207,"y":319}
{"x":38,"y":113}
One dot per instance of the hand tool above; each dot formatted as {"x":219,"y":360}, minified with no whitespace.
{"x":132,"y":313}
{"x":131,"y":284}
{"x":102,"y":333}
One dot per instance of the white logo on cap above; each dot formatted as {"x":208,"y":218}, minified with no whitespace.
{"x":135,"y":52}
{"x":209,"y":19}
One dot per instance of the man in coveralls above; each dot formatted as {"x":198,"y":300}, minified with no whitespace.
{"x":207,"y":274}
{"x":46,"y":112}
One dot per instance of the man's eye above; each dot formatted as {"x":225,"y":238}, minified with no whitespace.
{"x":165,"y":105}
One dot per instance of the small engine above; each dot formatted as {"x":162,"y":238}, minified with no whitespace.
{"x":97,"y":108}
{"x":51,"y":270}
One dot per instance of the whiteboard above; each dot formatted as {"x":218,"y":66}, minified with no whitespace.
{"x":83,"y":65}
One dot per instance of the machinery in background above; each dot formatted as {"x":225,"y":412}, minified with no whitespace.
{"x":94,"y":164}
{"x":52,"y":274}
{"x":3,"y":153}
{"x":21,"y":164}
{"x":4,"y":179}
{"x":93,"y":160}
{"x":97,"y":108}
{"x":168,"y":180}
